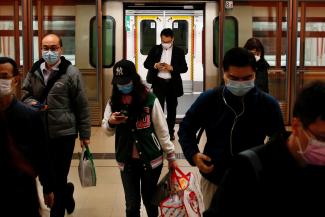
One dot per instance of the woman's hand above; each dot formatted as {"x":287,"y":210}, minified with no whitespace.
{"x":172,"y":164}
{"x":117,"y":118}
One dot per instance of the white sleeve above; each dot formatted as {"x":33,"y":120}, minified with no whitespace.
{"x":110,"y":131}
{"x":161,"y":129}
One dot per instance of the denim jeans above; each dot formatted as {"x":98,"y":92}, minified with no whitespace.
{"x":136,"y":178}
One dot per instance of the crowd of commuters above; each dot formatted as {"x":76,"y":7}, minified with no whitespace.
{"x":38,"y":133}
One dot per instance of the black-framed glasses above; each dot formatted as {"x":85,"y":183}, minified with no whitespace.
{"x":51,"y":48}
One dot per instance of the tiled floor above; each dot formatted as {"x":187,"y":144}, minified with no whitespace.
{"x":107,"y":198}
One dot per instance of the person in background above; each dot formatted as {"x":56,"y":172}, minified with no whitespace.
{"x":24,"y":150}
{"x":165,"y":63}
{"x":56,"y":86}
{"x":136,"y":118}
{"x":235,"y":116}
{"x":291,"y":177}
{"x":262,"y":78}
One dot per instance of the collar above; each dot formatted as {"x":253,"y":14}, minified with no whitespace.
{"x":53,"y":68}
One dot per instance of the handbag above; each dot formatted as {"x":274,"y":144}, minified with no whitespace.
{"x":86,"y":168}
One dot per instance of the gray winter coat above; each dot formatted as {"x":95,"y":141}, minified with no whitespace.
{"x":68,"y":112}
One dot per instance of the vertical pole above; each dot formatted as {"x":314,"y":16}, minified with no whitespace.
{"x":27,"y":35}
{"x":99,"y":69}
{"x":220,"y":42}
{"x":40,"y":18}
{"x":292,"y":58}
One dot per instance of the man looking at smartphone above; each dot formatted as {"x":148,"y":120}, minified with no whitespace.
{"x":165,"y":63}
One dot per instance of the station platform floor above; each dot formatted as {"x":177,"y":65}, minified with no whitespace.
{"x":107,"y":198}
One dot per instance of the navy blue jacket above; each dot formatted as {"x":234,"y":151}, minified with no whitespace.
{"x":214,"y":110}
{"x":24,"y":155}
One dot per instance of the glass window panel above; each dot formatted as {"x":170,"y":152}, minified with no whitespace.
{"x":108,"y":45}
{"x":315,"y":44}
{"x":230,"y":36}
{"x":148,"y":35}
{"x":180,"y":29}
{"x":7,"y":43}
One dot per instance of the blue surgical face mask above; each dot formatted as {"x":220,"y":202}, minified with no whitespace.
{"x":239,"y":88}
{"x":50,"y":57}
{"x":126,"y":88}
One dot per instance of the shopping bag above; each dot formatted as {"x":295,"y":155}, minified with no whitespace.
{"x":186,"y":201}
{"x":86,"y":168}
{"x":173,"y":206}
{"x":162,"y":190}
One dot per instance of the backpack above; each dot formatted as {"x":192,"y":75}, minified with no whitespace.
{"x":254,"y":159}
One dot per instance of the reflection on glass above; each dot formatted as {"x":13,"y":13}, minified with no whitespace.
{"x":180,"y":29}
{"x":108,"y":45}
{"x":230,"y":36}
{"x":148,"y":31}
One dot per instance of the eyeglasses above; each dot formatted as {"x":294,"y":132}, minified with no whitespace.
{"x":235,"y":78}
{"x":5,"y":76}
{"x":51,"y":48}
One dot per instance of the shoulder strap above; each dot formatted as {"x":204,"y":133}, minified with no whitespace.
{"x":198,"y":137}
{"x":254,"y":160}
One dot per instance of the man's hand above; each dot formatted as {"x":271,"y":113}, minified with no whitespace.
{"x":163,"y":67}
{"x":201,"y":161}
{"x":84,"y":142}
{"x":49,"y":199}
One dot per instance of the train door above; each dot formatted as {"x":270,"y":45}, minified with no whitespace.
{"x":143,"y":32}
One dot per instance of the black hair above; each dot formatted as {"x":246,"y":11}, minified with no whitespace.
{"x":4,"y":60}
{"x":60,"y":39}
{"x":310,"y":103}
{"x":167,"y":32}
{"x":239,"y":57}
{"x":139,"y":95}
{"x":254,"y":43}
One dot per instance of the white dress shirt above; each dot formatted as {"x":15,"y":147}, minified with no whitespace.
{"x":166,"y":57}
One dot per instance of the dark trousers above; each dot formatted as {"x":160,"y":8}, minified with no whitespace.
{"x":163,"y":89}
{"x":61,"y":153}
{"x":136,"y":178}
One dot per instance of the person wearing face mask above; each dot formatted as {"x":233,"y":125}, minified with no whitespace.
{"x":235,"y":116}
{"x":24,"y":150}
{"x":291,"y":174}
{"x":165,"y":63}
{"x":55,"y":87}
{"x":136,"y":118}
{"x":262,"y":78}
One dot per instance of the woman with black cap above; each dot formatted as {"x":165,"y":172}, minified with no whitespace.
{"x":141,"y":136}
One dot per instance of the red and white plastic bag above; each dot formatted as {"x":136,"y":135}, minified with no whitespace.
{"x":186,"y":201}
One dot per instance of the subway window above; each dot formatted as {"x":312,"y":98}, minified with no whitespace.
{"x":180,"y":29}
{"x":148,"y":34}
{"x":230,"y":36}
{"x":108,"y":44}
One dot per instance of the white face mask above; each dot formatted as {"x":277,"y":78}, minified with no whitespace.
{"x":5,"y":87}
{"x":239,"y":88}
{"x":257,"y":58}
{"x":166,"y":45}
